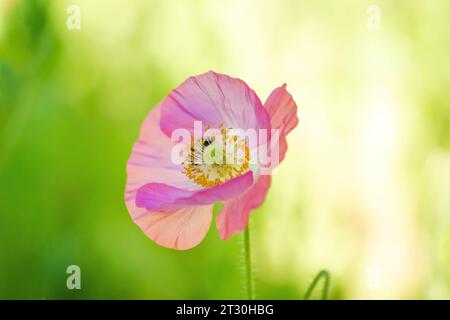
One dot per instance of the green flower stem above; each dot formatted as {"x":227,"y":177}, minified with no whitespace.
{"x":322,"y":274}
{"x":248,"y":263}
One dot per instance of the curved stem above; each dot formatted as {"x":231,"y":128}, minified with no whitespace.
{"x":248,"y":263}
{"x":326,"y":285}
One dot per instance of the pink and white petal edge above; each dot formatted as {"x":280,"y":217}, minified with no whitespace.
{"x":234,"y":214}
{"x":282,"y":110}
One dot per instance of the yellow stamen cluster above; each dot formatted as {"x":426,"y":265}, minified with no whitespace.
{"x":216,"y":159}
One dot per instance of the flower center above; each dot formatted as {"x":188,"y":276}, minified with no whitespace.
{"x":216,"y":159}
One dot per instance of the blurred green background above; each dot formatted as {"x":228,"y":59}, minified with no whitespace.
{"x":364,"y":191}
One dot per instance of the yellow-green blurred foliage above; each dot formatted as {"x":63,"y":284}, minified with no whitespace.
{"x":364,"y":191}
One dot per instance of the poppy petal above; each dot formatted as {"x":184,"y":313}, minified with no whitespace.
{"x":214,"y":99}
{"x":283,"y":115}
{"x":181,"y":229}
{"x":162,"y":197}
{"x":150,"y":158}
{"x":234,"y":214}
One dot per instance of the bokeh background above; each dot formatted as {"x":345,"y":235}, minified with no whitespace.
{"x":364,"y":191}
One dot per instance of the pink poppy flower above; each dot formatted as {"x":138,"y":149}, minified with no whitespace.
{"x":172,"y":202}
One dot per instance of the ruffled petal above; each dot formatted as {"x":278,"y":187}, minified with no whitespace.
{"x":162,"y":197}
{"x":181,"y":229}
{"x":283,"y":115}
{"x":234,"y":214}
{"x":214,"y":99}
{"x":150,"y":159}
